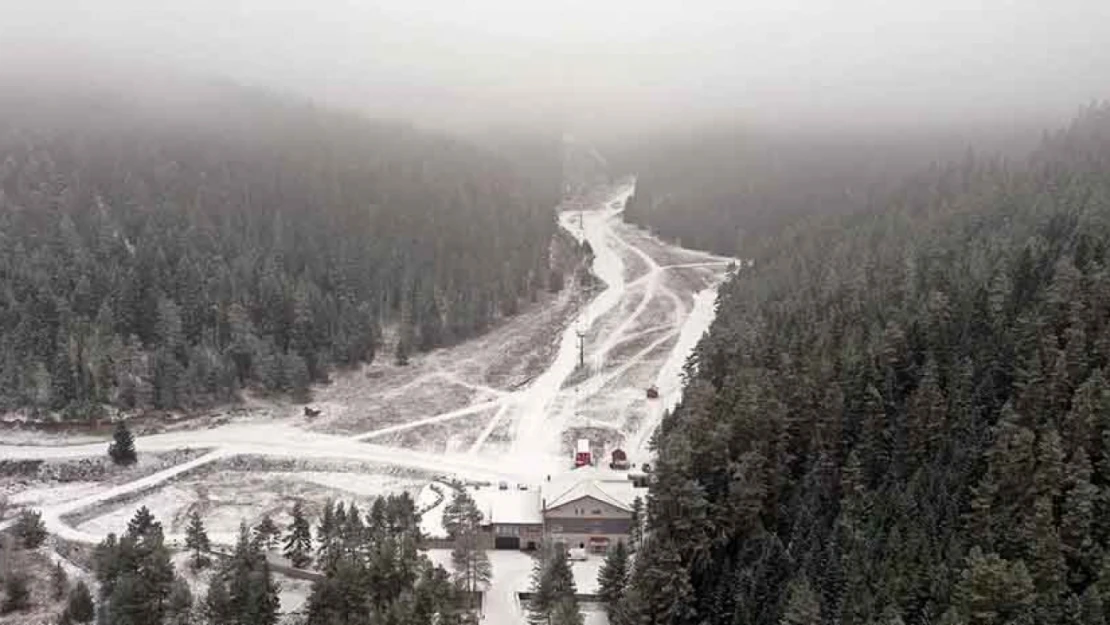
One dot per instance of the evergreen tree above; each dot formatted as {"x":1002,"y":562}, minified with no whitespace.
{"x":803,"y":606}
{"x":196,"y":541}
{"x":463,"y":520}
{"x":566,"y":612}
{"x":30,"y":529}
{"x":59,"y":582}
{"x":179,"y":605}
{"x":80,"y":608}
{"x":326,"y":530}
{"x":1076,"y":518}
{"x":17,"y":594}
{"x":298,"y":541}
{"x":266,"y":533}
{"x":636,"y":525}
{"x":217,"y":603}
{"x":612,"y":578}
{"x":992,"y":590}
{"x":543,"y":596}
{"x":455,"y":513}
{"x":552,"y":585}
{"x":252,"y":592}
{"x":135,"y":573}
{"x":122,"y":448}
{"x":468,"y":558}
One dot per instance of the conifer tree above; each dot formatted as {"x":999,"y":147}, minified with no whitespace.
{"x":135,"y":573}
{"x":251,"y":589}
{"x":30,"y":529}
{"x":326,"y":529}
{"x":266,"y":533}
{"x":1077,"y":510}
{"x":803,"y":606}
{"x":468,"y":558}
{"x":636,"y":525}
{"x":196,"y":541}
{"x":612,"y":578}
{"x":566,"y":612}
{"x":80,"y":608}
{"x":122,"y":448}
{"x":17,"y":594}
{"x":552,"y":585}
{"x":543,"y":595}
{"x":298,"y":541}
{"x":217,"y":603}
{"x":179,"y":605}
{"x":59,"y":582}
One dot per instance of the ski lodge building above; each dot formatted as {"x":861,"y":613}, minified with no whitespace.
{"x":589,"y":507}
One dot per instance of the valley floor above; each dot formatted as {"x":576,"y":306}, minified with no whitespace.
{"x":502,"y":407}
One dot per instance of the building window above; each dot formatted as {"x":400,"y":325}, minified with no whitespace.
{"x":596,"y":511}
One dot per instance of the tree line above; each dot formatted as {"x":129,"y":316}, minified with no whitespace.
{"x":901,"y":416}
{"x":167,"y":260}
{"x":721,"y":189}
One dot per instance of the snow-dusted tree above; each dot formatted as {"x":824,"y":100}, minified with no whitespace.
{"x":471,"y":564}
{"x":461,"y":512}
{"x":612,"y":578}
{"x":59,"y":582}
{"x":252,"y":591}
{"x":196,"y":541}
{"x":17,"y":594}
{"x":30,"y":529}
{"x":217,"y":603}
{"x":298,"y":542}
{"x":566,"y":612}
{"x":552,"y":584}
{"x":122,"y":448}
{"x":80,"y":608}
{"x":266,"y":533}
{"x":179,"y":606}
{"x":636,"y":525}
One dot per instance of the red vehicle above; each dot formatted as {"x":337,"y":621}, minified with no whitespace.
{"x":582,"y":454}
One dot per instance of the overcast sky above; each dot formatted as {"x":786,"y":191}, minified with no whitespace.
{"x":623,"y":63}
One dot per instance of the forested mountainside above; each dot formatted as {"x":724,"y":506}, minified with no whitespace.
{"x":163,"y":254}
{"x":901,"y":416}
{"x":718,"y":189}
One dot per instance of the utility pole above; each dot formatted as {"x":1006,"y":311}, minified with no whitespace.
{"x":581,"y":348}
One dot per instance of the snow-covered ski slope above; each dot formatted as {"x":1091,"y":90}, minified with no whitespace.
{"x":654,"y":303}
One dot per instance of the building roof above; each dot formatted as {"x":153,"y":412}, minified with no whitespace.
{"x":511,"y":506}
{"x":611,"y":487}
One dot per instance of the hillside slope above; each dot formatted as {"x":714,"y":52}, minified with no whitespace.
{"x":900,"y":417}
{"x":163,"y":252}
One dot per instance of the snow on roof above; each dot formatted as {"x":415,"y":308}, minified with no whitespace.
{"x":612,"y":487}
{"x":512,"y":506}
{"x":583,"y":446}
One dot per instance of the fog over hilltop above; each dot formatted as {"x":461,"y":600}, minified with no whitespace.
{"x":620,"y":65}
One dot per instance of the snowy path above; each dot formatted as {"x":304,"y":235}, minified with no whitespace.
{"x":536,"y":413}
